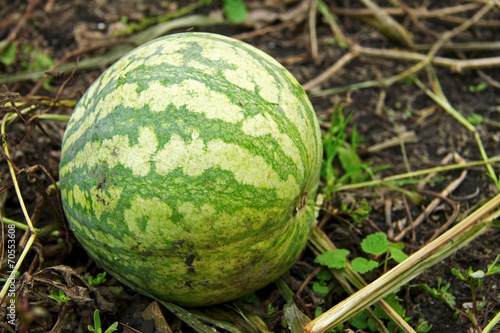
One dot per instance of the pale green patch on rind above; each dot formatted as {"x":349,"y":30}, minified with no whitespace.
{"x":261,"y":125}
{"x":197,"y":156}
{"x":194,"y":95}
{"x":153,"y":213}
{"x":105,"y":201}
{"x":250,"y":71}
{"x":193,"y":158}
{"x":138,"y":157}
{"x":123,"y":95}
{"x":117,"y":150}
{"x":79,"y":197}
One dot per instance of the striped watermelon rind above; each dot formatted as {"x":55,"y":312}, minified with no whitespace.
{"x":189,"y":169}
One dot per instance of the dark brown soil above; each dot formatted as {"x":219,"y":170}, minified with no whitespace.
{"x":70,"y":31}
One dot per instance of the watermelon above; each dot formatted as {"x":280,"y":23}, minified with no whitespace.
{"x":189,"y":169}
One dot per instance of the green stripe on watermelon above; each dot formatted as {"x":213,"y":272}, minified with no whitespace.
{"x":182,"y":157}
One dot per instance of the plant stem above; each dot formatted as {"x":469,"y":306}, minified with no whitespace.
{"x":50,"y":230}
{"x":56,"y":117}
{"x":32,"y":237}
{"x":412,"y":174}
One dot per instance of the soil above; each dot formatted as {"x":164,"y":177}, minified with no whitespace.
{"x":72,"y":31}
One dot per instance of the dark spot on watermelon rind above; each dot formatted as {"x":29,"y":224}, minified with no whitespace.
{"x":179,"y":242}
{"x":189,"y":260}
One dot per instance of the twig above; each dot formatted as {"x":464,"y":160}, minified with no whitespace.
{"x":456,"y":65}
{"x":445,"y":37}
{"x":451,"y":219}
{"x":302,"y":286}
{"x":312,"y":29}
{"x":264,"y":31}
{"x":320,"y":243}
{"x":406,"y":137}
{"x":420,"y":13}
{"x":442,"y":101}
{"x":430,"y":208}
{"x":32,"y":231}
{"x":59,"y":92}
{"x":332,"y":22}
{"x":467,"y":46}
{"x":346,"y":58}
{"x":379,"y":182}
{"x":388,"y":25}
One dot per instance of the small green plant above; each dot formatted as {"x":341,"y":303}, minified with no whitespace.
{"x":442,"y":292}
{"x":478,"y":88}
{"x":99,"y":279}
{"x":97,"y":325}
{"x":342,"y":148}
{"x":321,"y":286}
{"x":8,"y":56}
{"x":235,"y":10}
{"x":374,"y":244}
{"x":59,"y":296}
{"x":336,"y":259}
{"x":475,"y":281}
{"x":475,"y":119}
{"x":357,"y":212}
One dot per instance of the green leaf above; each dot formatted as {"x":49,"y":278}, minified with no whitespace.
{"x":361,"y":212}
{"x":398,"y":255}
{"x":324,"y":275}
{"x":42,"y":62}
{"x":59,"y":296}
{"x":235,"y":10}
{"x":321,"y":288}
{"x":475,"y":119}
{"x":376,"y":243}
{"x":8,"y":56}
{"x":350,"y":162}
{"x":395,"y":302}
{"x":318,"y":312}
{"x":113,"y":327}
{"x":398,"y":246}
{"x":458,"y":273}
{"x":295,"y":318}
{"x":359,"y":321}
{"x":481,"y":86}
{"x":99,"y":279}
{"x":423,"y":326}
{"x":97,"y":320}
{"x":362,"y":265}
{"x":493,"y":268}
{"x":333,"y":258}
{"x":477,"y":274}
